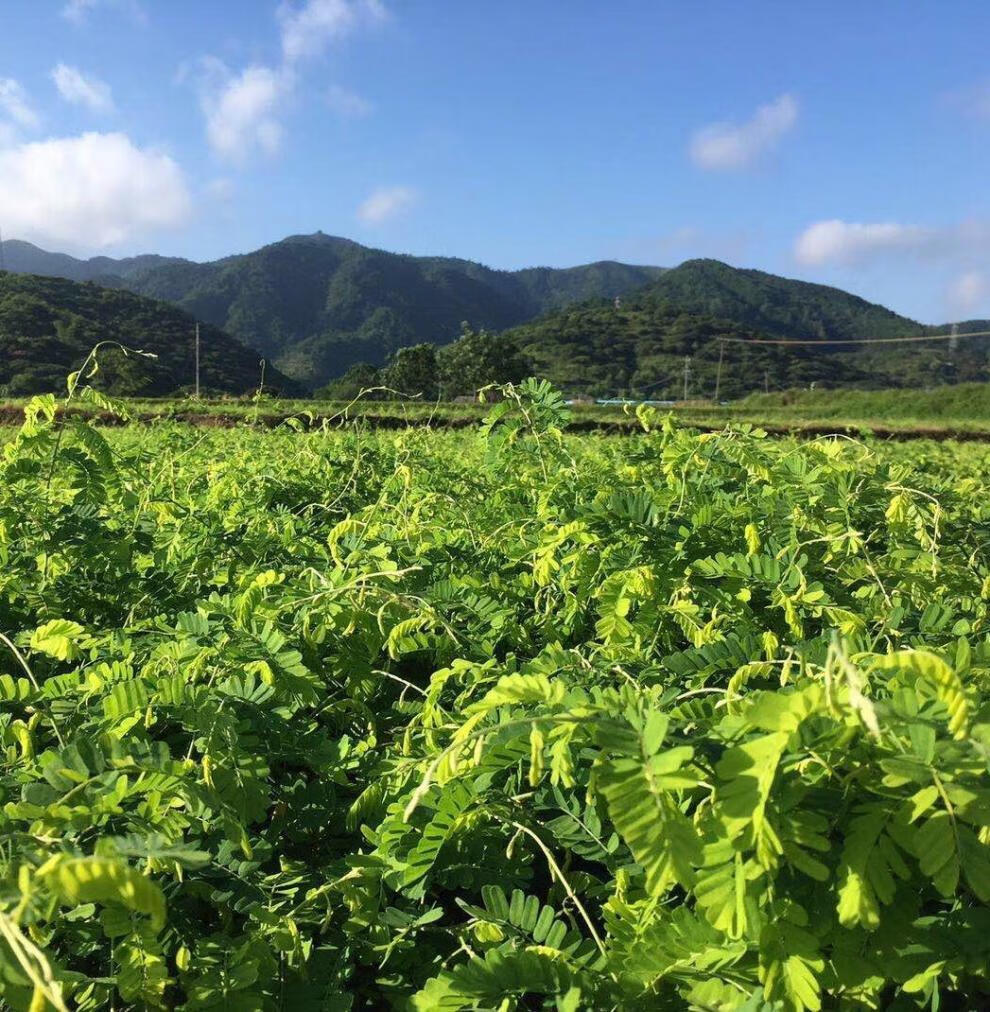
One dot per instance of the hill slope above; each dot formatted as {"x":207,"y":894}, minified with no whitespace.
{"x":794,"y":309}
{"x":49,"y":325}
{"x":317,"y":304}
{"x":640,"y":349}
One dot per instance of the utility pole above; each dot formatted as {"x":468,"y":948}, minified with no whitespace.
{"x":197,"y":361}
{"x":687,"y":374}
{"x":718,"y":374}
{"x":954,"y":340}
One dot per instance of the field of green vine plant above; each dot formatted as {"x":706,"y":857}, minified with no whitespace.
{"x":491,"y":719}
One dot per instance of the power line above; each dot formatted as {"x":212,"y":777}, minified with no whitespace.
{"x":856,"y":340}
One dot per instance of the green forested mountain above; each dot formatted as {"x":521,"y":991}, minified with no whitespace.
{"x":640,"y":347}
{"x":48,"y":326}
{"x":316,"y":304}
{"x":783,"y":306}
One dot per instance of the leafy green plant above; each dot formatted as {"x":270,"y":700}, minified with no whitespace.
{"x":501,"y":718}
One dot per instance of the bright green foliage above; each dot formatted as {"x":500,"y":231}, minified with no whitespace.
{"x":491,"y":720}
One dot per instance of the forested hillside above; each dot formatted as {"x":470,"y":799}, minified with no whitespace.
{"x":49,"y":325}
{"x":703,"y":309}
{"x":783,"y":306}
{"x":317,"y":304}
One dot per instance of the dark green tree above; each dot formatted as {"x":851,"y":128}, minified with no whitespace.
{"x":478,"y":359}
{"x":413,"y":372}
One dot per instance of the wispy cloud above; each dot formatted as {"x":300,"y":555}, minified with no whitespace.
{"x":348,"y":104}
{"x":309,"y":27}
{"x":79,"y":89}
{"x":15,"y":105}
{"x":385,"y":203}
{"x":242,"y":109}
{"x":91,"y":191}
{"x":16,"y":112}
{"x":78,"y":10}
{"x":844,"y":242}
{"x":729,"y":146}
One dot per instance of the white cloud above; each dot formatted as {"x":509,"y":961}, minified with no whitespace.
{"x":95,"y":190}
{"x":386,"y":202}
{"x":844,"y":242}
{"x":848,"y":242}
{"x":968,"y":292}
{"x":78,"y":10}
{"x":242,"y":109}
{"x":348,"y":104}
{"x":77,"y":88}
{"x":14,"y":105}
{"x":307,"y":29}
{"x":738,"y":145}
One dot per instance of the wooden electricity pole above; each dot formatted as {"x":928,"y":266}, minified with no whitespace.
{"x":687,"y":374}
{"x":718,"y":374}
{"x":197,"y":361}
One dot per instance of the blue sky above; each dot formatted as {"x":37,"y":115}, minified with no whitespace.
{"x":842,"y":142}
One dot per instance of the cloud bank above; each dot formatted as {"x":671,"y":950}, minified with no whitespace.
{"x":91,"y":191}
{"x":843,"y":242}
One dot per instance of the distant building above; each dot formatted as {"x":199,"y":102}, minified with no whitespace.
{"x":618,"y":302}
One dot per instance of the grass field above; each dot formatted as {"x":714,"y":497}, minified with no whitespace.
{"x":496,"y":718}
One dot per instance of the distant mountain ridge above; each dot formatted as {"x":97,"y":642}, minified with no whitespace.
{"x":25,"y":258}
{"x":317,"y":304}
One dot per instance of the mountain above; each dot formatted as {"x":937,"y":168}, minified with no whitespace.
{"x":48,"y":326}
{"x":317,"y":304}
{"x":701,"y":310}
{"x":26,"y":258}
{"x":781,"y":306}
